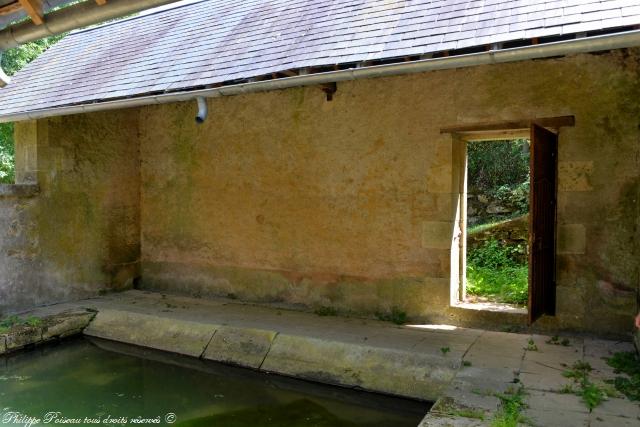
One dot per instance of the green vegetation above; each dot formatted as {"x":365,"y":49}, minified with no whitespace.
{"x":501,"y":169}
{"x":493,"y":272}
{"x":32,"y":321}
{"x":555,"y":340}
{"x":497,"y":270}
{"x":531,"y":345}
{"x":12,"y":61}
{"x":396,"y":316}
{"x":445,"y":350}
{"x":592,"y":394}
{"x":493,"y":164}
{"x":626,"y":363}
{"x":512,"y":405}
{"x":447,"y":406}
{"x":468,"y":413}
{"x":9,"y":322}
{"x":7,"y":154}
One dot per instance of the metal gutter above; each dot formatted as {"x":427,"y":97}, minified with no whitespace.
{"x":562,"y":48}
{"x":70,"y":18}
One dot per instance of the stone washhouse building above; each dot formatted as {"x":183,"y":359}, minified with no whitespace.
{"x":312,"y":154}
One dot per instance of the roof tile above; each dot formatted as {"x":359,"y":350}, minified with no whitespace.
{"x":213,"y":41}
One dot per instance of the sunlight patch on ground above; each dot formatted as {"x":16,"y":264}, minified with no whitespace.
{"x":434,"y":327}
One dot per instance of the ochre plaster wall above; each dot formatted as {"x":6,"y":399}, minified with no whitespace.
{"x":350,"y":204}
{"x":285,"y":197}
{"x":79,"y":235}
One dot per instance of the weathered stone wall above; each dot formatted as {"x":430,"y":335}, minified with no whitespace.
{"x":513,"y":233}
{"x":484,"y":208}
{"x":79,"y":234}
{"x":283,"y":196}
{"x":351,"y":204}
{"x":18,"y":276}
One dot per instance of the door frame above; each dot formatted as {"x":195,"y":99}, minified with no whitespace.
{"x":461,"y":136}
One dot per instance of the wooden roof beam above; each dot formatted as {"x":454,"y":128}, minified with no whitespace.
{"x":10,"y":8}
{"x":34,"y":10}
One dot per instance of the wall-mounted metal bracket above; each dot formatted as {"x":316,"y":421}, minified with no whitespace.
{"x":329,"y":89}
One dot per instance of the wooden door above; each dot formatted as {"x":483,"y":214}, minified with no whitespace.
{"x":542,"y":222}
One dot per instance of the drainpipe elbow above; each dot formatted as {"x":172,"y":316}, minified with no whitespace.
{"x":203,"y":110}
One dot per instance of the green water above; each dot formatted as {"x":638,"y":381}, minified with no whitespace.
{"x":80,"y":382}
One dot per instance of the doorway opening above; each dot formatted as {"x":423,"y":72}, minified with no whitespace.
{"x":504,"y":240}
{"x":497,"y":218}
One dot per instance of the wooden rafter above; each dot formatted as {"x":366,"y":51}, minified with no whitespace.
{"x":10,"y":8}
{"x":34,"y":10}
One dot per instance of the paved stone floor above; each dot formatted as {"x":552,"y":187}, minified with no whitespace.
{"x":463,"y":369}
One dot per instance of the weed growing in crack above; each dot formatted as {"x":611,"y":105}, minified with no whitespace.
{"x":592,"y":394}
{"x":531,"y":345}
{"x":511,"y":407}
{"x":555,"y":340}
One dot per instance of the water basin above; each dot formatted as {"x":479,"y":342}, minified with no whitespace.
{"x":97,"y":382}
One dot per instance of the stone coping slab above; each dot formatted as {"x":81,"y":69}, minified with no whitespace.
{"x":369,"y":355}
{"x":46,"y":328}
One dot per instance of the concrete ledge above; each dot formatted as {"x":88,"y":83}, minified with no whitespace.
{"x":329,"y":359}
{"x":370,"y":355}
{"x":404,"y":373}
{"x":50,"y":328}
{"x":162,"y":333}
{"x":18,"y":190}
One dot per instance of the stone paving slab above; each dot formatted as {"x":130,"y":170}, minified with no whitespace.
{"x":463,"y":370}
{"x":245,"y":347}
{"x":159,"y":332}
{"x":538,"y":368}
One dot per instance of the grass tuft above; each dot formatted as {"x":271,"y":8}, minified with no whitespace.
{"x":512,"y":405}
{"x":9,"y":322}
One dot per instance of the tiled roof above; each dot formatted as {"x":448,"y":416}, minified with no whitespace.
{"x":215,"y":41}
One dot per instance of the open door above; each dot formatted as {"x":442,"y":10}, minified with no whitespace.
{"x":542,"y":222}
